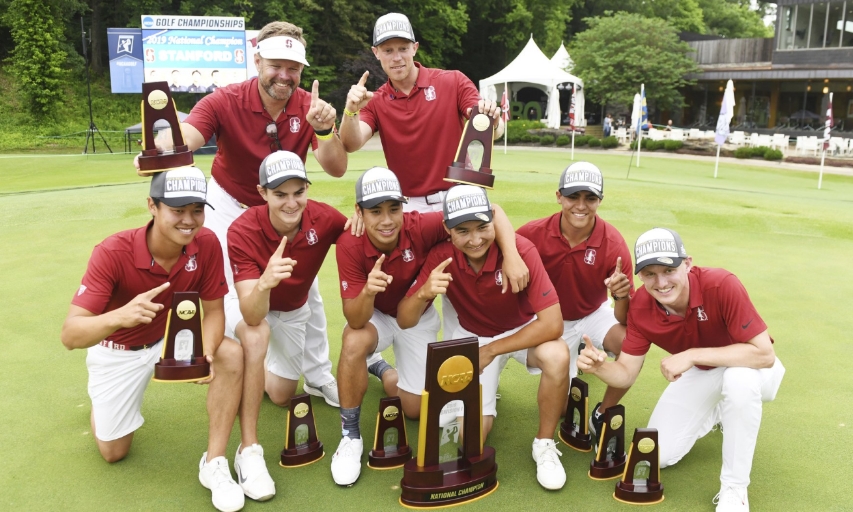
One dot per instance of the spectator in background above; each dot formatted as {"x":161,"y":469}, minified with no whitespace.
{"x":668,"y":126}
{"x":608,"y":125}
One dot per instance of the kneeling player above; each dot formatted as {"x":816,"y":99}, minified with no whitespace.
{"x":524,"y":326}
{"x":119,"y":315}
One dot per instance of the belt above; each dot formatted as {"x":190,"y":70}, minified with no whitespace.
{"x":118,"y":346}
{"x":435,"y":198}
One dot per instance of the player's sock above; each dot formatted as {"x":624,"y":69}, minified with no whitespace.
{"x":349,"y":422}
{"x":598,"y":414}
{"x":379,"y":368}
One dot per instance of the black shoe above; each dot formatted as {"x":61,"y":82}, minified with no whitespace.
{"x":595,"y":425}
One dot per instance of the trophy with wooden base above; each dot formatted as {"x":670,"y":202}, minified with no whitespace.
{"x":479,"y":127}
{"x":437,"y":478}
{"x":301,"y":446}
{"x":609,"y":461}
{"x":182,"y":359}
{"x":574,"y":431}
{"x":640,"y":483}
{"x":157,"y":103}
{"x":391,"y":446}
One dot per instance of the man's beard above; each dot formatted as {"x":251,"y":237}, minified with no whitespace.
{"x":270,"y":88}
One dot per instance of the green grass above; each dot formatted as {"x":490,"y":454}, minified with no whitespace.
{"x":788,"y":242}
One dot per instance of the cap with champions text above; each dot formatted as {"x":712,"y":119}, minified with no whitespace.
{"x":377,"y":185}
{"x":582,"y":176}
{"x":659,"y":246}
{"x":466,"y":202}
{"x":180,"y":187}
{"x":279,"y":167}
{"x":390,"y":26}
{"x":282,"y":47}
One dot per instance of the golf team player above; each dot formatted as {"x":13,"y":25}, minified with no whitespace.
{"x":586,"y":258}
{"x":375,"y":272}
{"x":119,"y":314}
{"x":525,"y":326}
{"x":276,"y":251}
{"x":251,"y":120}
{"x":722,"y":364}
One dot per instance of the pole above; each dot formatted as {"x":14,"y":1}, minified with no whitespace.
{"x":90,"y":132}
{"x":639,"y":140}
{"x":506,"y":122}
{"x":820,"y":176}
{"x":717,"y":163}
{"x":573,"y":144}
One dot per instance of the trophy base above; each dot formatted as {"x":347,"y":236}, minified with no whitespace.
{"x":169,"y":370}
{"x":607,"y":470}
{"x":152,"y":162}
{"x":482,"y":178}
{"x":378,"y":459}
{"x":302,"y":456}
{"x":574,"y":440}
{"x":638,"y":494}
{"x":449,"y":483}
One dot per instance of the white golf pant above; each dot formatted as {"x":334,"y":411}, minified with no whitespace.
{"x":691,"y":406}
{"x":316,"y":365}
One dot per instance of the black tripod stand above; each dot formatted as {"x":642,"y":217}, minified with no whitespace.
{"x":90,"y":132}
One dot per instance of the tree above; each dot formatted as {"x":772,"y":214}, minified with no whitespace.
{"x":735,"y":18}
{"x":620,"y":52}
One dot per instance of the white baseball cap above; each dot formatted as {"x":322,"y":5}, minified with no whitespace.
{"x":282,"y":47}
{"x":179,"y":187}
{"x":466,"y":202}
{"x":390,"y":26}
{"x":377,"y":185}
{"x":582,"y":176}
{"x":279,"y":167}
{"x":658,"y":246}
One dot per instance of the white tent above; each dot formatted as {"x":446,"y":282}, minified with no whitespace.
{"x":563,"y":61}
{"x":531,"y":69}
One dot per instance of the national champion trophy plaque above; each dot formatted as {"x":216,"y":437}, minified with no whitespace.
{"x":434,"y":479}
{"x":640,"y":483}
{"x":480,"y":127}
{"x":301,"y":446}
{"x":182,"y":359}
{"x":574,"y":431}
{"x":157,"y":103}
{"x":609,"y":461}
{"x":391,"y":447}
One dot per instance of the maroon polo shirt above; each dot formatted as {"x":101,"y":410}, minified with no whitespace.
{"x":477,"y":298}
{"x":236,"y":115}
{"x":420,"y":132}
{"x":252,"y":240}
{"x":357,"y":256}
{"x":719,"y":313}
{"x":121,"y":267}
{"x":579,"y":272}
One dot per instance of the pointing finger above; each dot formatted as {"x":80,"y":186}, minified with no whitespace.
{"x":150,"y":294}
{"x":378,"y":264}
{"x":278,"y":252}
{"x":619,"y":265}
{"x":443,"y":265}
{"x":363,"y":79}
{"x":315,"y":92}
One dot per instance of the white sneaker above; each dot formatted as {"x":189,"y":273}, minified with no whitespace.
{"x":215,"y":475}
{"x":328,"y":392}
{"x":731,"y":499}
{"x":346,"y":462}
{"x":549,"y":469}
{"x":252,"y":473}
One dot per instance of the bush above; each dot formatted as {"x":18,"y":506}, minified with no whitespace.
{"x":672,"y":145}
{"x":546,"y":140}
{"x":773,"y":154}
{"x":563,"y":140}
{"x":609,"y":142}
{"x":594,"y":142}
{"x":535,"y":138}
{"x":515,"y":130}
{"x":653,"y":145}
{"x":760,"y":151}
{"x":581,"y":140}
{"x":633,"y":145}
{"x":743,"y":152}
{"x":526,"y":137}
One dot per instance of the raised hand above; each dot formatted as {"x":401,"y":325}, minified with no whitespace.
{"x":590,"y":358}
{"x":358,"y":95}
{"x":488,"y":107}
{"x":140,"y":310}
{"x":377,"y":281}
{"x":278,"y":268}
{"x":320,"y":115}
{"x":618,"y":283}
{"x":437,"y":282}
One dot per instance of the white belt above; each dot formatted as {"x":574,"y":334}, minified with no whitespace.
{"x":435,"y":198}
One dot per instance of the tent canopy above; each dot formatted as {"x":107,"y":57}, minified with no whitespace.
{"x":562,"y":59}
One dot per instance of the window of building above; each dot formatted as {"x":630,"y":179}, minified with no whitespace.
{"x":834,"y":24}
{"x":817,"y":30}
{"x":802,"y":20}
{"x":845,"y":26}
{"x":786,"y":35}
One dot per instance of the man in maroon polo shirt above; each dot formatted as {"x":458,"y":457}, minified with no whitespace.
{"x":586,"y":258}
{"x":375,"y":272}
{"x":119,"y":314}
{"x":524,"y":326}
{"x":265,"y":244}
{"x":251,"y":120}
{"x":722,"y":364}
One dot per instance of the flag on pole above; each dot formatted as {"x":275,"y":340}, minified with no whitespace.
{"x":727,"y":111}
{"x":827,"y":128}
{"x":572,"y":110}
{"x":644,"y":109}
{"x":504,"y":106}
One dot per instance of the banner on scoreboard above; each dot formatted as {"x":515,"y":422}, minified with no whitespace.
{"x":126,"y":66}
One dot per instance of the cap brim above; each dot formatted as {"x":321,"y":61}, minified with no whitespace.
{"x":571,"y":190}
{"x":372,"y":203}
{"x":177,"y":202}
{"x":277,"y":183}
{"x":452,"y":223}
{"x":657,"y":261}
{"x":392,"y":36}
{"x":282,"y":54}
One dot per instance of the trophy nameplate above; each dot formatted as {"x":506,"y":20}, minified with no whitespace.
{"x":479,"y":127}
{"x":574,"y":431}
{"x":157,"y":103}
{"x":640,"y":483}
{"x":182,"y":358}
{"x":609,"y":461}
{"x":391,"y":446}
{"x":301,"y":446}
{"x":431,"y":480}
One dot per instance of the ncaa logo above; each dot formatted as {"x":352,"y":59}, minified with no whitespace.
{"x":589,"y":257}
{"x":191,"y":264}
{"x":125,"y":44}
{"x":311,"y":236}
{"x":407,"y":255}
{"x":294,"y":124}
{"x":700,"y":315}
{"x":429,"y":93}
{"x":147,"y":22}
{"x":344,"y":285}
{"x":499,"y":277}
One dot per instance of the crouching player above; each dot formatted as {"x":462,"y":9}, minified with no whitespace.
{"x":722,"y":366}
{"x":524,"y":326}
{"x":119,"y":315}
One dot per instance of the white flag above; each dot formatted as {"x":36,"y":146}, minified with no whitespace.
{"x":727,"y":111}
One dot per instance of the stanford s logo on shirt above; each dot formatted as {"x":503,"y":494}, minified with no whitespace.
{"x":407,"y":255}
{"x":81,"y":290}
{"x":344,"y":285}
{"x":311,"y":236}
{"x":191,"y":264}
{"x":499,"y":277}
{"x":589,"y":257}
{"x":700,"y":315}
{"x":294,"y":124}
{"x":429,"y":93}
